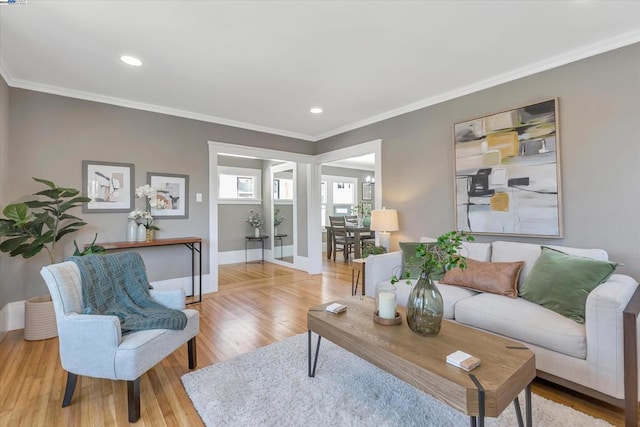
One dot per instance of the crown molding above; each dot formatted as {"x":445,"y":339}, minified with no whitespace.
{"x":547,"y":64}
{"x":121,"y":102}
{"x":553,"y":62}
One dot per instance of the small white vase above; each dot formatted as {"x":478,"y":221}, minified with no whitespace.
{"x":142,"y":233}
{"x":132,"y":231}
{"x":256,"y":231}
{"x":275,"y":230}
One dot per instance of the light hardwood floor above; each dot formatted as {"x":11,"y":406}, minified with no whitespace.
{"x":257,"y":304}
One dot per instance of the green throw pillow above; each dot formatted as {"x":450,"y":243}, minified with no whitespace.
{"x":562,"y":282}
{"x":410,"y":264}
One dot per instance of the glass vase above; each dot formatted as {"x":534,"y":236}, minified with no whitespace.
{"x":425,"y":307}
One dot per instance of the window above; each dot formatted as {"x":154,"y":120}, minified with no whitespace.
{"x":239,"y":184}
{"x":338,"y":195}
{"x":344,"y":193}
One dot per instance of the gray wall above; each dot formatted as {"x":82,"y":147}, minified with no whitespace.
{"x":232,"y":218}
{"x":50,"y":136}
{"x":4,"y":168}
{"x":599,"y":102}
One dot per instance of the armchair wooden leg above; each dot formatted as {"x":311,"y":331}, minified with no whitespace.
{"x":69,"y":389}
{"x":133,"y":397}
{"x":193,"y":355}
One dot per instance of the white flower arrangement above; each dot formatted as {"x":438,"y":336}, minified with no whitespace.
{"x":145,"y":217}
{"x":255,"y":219}
{"x":150,"y":193}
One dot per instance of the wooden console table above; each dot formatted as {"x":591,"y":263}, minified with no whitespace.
{"x":189,"y":242}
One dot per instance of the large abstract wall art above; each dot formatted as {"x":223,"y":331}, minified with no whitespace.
{"x":507,"y":172}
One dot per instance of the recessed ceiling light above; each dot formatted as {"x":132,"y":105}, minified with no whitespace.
{"x":316,"y":110}
{"x":130,"y":60}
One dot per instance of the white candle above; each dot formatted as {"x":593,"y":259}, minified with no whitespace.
{"x":386,"y":305}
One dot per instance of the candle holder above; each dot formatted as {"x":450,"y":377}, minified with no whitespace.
{"x":387,"y":322}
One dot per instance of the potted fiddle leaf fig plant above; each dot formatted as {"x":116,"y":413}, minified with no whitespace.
{"x":33,"y":226}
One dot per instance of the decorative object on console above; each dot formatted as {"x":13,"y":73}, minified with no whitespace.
{"x":171,"y":194}
{"x":255,"y":220}
{"x":108,"y":185}
{"x":145,"y":223}
{"x":425,"y":306}
{"x":508,"y":172}
{"x":132,"y":230}
{"x":384,"y":221}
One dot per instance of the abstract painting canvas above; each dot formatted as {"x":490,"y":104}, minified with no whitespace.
{"x":507,"y":173}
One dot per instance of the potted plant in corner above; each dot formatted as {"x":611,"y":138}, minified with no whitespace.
{"x":34,"y":225}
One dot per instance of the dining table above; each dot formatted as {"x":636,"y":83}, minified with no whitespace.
{"x":356,"y":230}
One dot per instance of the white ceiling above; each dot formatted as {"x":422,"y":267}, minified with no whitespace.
{"x":262,"y":64}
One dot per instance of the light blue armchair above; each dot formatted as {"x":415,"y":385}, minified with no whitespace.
{"x":94,"y":346}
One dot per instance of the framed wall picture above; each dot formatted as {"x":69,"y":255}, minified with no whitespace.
{"x":173,"y":190}
{"x":367,"y":191}
{"x":507,"y":173}
{"x":108,"y":185}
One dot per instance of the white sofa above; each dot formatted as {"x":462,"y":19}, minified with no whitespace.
{"x":587,"y":357}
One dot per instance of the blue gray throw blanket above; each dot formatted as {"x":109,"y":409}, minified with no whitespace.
{"x":116,"y":284}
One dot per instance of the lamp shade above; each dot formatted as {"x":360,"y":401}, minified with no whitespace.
{"x":384,"y":220}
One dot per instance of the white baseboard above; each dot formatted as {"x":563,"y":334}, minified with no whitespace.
{"x":12,"y":317}
{"x":235,"y":257}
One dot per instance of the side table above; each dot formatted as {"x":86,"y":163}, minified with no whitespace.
{"x":261,"y":238}
{"x":279,"y":237}
{"x":357,"y":269}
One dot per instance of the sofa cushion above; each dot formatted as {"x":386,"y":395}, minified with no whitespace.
{"x":562,"y":282}
{"x":524,"y":321}
{"x":495,"y":277}
{"x":450,"y":295}
{"x":528,"y":252}
{"x":474,"y":250}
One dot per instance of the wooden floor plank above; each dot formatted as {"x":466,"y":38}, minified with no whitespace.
{"x":257,"y":304}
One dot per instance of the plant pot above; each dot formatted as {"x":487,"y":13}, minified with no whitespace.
{"x":149,"y":237}
{"x":39,"y":319}
{"x":256,"y":232}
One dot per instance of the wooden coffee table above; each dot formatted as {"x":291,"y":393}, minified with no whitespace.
{"x":507,"y":366}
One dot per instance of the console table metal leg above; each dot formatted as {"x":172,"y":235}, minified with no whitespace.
{"x":312,"y":371}
{"x":193,"y":249}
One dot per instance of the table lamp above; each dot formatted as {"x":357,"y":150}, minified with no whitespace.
{"x":384,"y":221}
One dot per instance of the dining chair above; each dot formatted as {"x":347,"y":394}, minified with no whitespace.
{"x":340,"y":238}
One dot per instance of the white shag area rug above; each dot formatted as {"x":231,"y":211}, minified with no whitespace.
{"x":270,"y":387}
